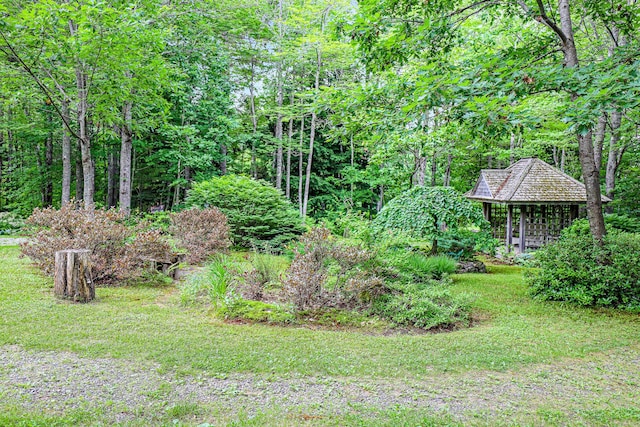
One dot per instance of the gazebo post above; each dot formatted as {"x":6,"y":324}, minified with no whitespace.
{"x":509,"y":226}
{"x":523,"y":229}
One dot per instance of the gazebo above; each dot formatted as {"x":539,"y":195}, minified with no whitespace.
{"x":528,"y":203}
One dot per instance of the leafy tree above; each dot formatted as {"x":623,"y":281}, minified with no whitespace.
{"x":258,"y":214}
{"x":429,"y":212}
{"x":544,"y":58}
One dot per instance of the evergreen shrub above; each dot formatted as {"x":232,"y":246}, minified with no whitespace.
{"x":576,"y":270}
{"x":259,"y":215}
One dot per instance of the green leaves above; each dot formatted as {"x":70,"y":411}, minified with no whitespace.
{"x":258,"y":214}
{"x":427,"y":212}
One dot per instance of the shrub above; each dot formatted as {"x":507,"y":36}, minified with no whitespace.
{"x":434,"y":267}
{"x":202,"y":232}
{"x":612,"y":222}
{"x":258,"y":214}
{"x":265,"y":268}
{"x":463,"y":244}
{"x":117,"y":251}
{"x":10,"y":223}
{"x":575,"y":270}
{"x":428,"y":212}
{"x":425,"y":307}
{"x":325,"y":273}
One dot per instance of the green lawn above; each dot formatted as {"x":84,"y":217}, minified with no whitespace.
{"x":147,"y":325}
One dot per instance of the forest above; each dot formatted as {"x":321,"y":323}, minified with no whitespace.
{"x":341,"y":105}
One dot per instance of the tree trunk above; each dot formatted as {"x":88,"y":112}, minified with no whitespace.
{"x":47,"y":195}
{"x":447,"y":171}
{"x":512,"y":148}
{"x":88,"y":169}
{"x":615,"y":154}
{"x":352,"y":163}
{"x":598,"y":143}
{"x":434,"y":169}
{"x":300,"y":165}
{"x":312,"y":136}
{"x":126,"y":151}
{"x":585,"y":142}
{"x":278,"y":131}
{"x":421,"y":169}
{"x":254,"y":121}
{"x":66,"y":156}
{"x":79,"y":177}
{"x":287,"y":192}
{"x":223,"y":160}
{"x":73,"y":275}
{"x":113,"y":167}
{"x":380,"y":203}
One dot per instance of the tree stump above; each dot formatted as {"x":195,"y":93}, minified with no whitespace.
{"x":73,"y":276}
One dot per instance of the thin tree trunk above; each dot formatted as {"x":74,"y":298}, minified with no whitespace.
{"x":289,"y":138}
{"x":279,"y":99}
{"x":79,"y":176}
{"x":47,"y":195}
{"x":434,"y":169}
{"x":380,"y":203}
{"x":300,"y":165}
{"x":113,"y":167}
{"x":615,"y":154}
{"x":421,"y":169}
{"x":278,"y":130}
{"x":223,"y":160}
{"x":176,"y":191}
{"x":352,"y":162}
{"x":312,"y":136}
{"x":447,"y":171}
{"x":66,"y":156}
{"x":254,"y":121}
{"x":512,"y":148}
{"x":126,"y":151}
{"x":88,"y":168}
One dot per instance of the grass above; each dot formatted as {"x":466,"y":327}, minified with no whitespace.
{"x":148,"y":324}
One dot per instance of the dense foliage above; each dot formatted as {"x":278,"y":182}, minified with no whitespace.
{"x":122,"y":248}
{"x":201,"y":232}
{"x":576,"y":271}
{"x":117,"y":251}
{"x":259,"y":215}
{"x":333,"y":281}
{"x":429,"y":213}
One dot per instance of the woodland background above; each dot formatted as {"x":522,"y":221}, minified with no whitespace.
{"x":340,"y":105}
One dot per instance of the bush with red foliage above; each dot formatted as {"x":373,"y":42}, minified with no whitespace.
{"x":202,"y":232}
{"x":307,"y":283}
{"x":118,"y":252}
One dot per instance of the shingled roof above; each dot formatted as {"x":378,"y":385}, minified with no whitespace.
{"x":528,"y":181}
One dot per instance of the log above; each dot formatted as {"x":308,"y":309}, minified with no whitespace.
{"x":73,"y":276}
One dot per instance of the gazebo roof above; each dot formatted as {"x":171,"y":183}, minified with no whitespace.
{"x":528,"y":181}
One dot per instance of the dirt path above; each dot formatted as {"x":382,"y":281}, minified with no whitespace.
{"x":57,"y":382}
